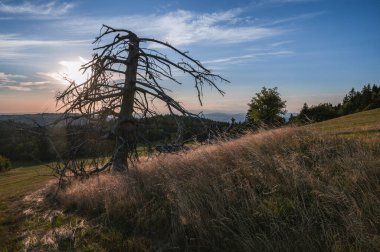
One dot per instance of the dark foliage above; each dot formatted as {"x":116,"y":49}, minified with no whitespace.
{"x":20,"y":141}
{"x":354,"y":101}
{"x":5,"y":164}
{"x":27,"y":142}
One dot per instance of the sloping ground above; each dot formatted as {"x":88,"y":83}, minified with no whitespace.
{"x":278,"y":190}
{"x":365,"y":125}
{"x":14,"y":185}
{"x":286,"y":189}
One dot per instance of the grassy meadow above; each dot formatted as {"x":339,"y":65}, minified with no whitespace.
{"x":309,"y":188}
{"x":14,"y":186}
{"x":285,"y":189}
{"x":364,"y":125}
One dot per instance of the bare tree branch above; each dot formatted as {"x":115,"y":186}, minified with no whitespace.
{"x":124,"y":81}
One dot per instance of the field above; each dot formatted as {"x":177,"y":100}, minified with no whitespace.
{"x":314,"y":187}
{"x":14,"y":185}
{"x":364,"y":125}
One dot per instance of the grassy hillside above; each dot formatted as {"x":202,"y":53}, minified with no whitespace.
{"x":286,"y":189}
{"x":14,"y":185}
{"x":365,"y":125}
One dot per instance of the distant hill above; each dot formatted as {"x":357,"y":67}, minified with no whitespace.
{"x":225,"y":117}
{"x":47,"y":118}
{"x":287,"y":116}
{"x":41,"y":119}
{"x":239,"y":117}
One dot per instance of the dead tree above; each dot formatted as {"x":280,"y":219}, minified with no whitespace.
{"x":125,"y":78}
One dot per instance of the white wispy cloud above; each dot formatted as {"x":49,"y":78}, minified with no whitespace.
{"x":247,"y":57}
{"x":33,"y":83}
{"x":13,"y":46}
{"x":15,"y":88}
{"x":15,"y":82}
{"x":289,"y":1}
{"x":15,"y":40}
{"x":280,"y":43}
{"x":10,"y":82}
{"x":181,"y":27}
{"x":12,"y":40}
{"x":269,"y":3}
{"x":298,"y":17}
{"x":7,"y":78}
{"x":53,"y":8}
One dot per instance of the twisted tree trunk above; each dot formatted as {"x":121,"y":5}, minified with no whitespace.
{"x":124,"y":81}
{"x":126,"y":126}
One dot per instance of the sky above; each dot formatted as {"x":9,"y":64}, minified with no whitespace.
{"x":314,"y":51}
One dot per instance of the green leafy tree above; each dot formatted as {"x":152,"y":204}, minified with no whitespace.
{"x":266,"y":108}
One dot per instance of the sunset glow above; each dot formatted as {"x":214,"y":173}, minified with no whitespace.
{"x":313,"y":51}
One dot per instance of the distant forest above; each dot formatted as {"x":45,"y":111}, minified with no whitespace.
{"x":27,"y":141}
{"x":21,"y":141}
{"x":355,"y":101}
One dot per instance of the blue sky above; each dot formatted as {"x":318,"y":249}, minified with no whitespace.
{"x":312,"y":50}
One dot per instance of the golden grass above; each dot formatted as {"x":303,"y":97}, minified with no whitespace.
{"x":285,"y":189}
{"x":364,"y":125}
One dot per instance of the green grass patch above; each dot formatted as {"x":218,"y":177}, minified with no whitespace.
{"x":17,"y":182}
{"x":363,"y":125}
{"x":14,"y":185}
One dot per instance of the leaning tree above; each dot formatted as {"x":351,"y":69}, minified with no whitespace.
{"x":125,"y":77}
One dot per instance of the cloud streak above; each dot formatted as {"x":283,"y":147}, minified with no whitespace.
{"x":14,"y":82}
{"x":247,"y":57}
{"x":13,"y":40}
{"x":270,"y":3}
{"x":182,"y":27}
{"x":12,"y":46}
{"x":304,"y":16}
{"x":52,"y":8}
{"x":15,"y":88}
{"x":8,"y":77}
{"x":7,"y":81}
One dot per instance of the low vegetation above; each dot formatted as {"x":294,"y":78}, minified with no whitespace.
{"x":23,"y":179}
{"x":21,"y":141}
{"x":286,"y":189}
{"x":5,"y":164}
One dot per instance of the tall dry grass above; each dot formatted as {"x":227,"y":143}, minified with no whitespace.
{"x":284,"y":189}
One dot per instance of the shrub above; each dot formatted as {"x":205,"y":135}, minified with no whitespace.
{"x":5,"y":164}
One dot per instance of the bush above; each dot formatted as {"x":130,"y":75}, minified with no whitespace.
{"x":5,"y":164}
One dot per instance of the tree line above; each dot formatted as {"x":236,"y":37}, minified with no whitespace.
{"x":23,"y":141}
{"x":267,"y":109}
{"x":355,"y":101}
{"x":31,"y":142}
